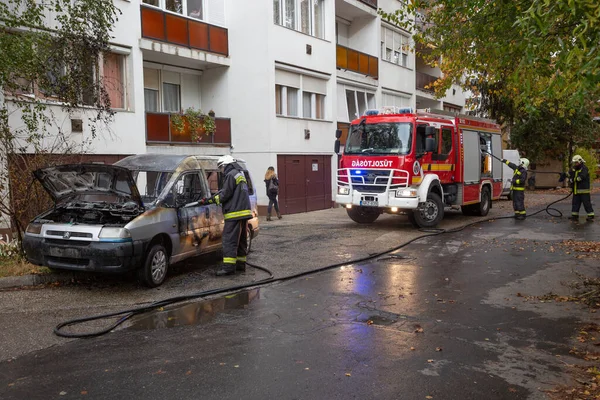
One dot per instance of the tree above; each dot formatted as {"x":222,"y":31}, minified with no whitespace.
{"x":52,"y":51}
{"x":539,"y":50}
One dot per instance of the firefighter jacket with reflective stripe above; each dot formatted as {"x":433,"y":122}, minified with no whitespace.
{"x":519,"y":176}
{"x":234,"y":195}
{"x":581,"y":179}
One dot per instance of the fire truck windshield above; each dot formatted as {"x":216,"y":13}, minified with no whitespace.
{"x":380,"y":138}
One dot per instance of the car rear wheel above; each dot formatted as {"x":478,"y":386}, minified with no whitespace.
{"x":363,"y":215}
{"x":156,"y":265}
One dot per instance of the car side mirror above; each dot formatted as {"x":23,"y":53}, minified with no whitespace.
{"x":429,"y":145}
{"x":338,"y":133}
{"x":430,"y":131}
{"x":336,"y":146}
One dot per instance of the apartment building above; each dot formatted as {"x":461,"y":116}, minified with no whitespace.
{"x":280,"y":76}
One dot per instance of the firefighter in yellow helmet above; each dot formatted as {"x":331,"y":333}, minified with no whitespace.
{"x":518,"y":186}
{"x":579,"y":180}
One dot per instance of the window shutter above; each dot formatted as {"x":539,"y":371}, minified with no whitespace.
{"x":314,"y":85}
{"x":151,"y":78}
{"x":285,"y":78}
{"x":216,"y":12}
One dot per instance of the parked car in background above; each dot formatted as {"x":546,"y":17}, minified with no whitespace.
{"x":507,"y":173}
{"x":133,"y":215}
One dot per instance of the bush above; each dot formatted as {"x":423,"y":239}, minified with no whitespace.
{"x":10,"y":250}
{"x":590,"y":161}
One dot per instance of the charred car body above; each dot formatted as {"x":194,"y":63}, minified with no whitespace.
{"x":101,"y":222}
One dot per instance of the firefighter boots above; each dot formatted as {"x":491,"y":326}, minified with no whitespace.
{"x":269,"y":217}
{"x":279,"y":216}
{"x":240,"y":267}
{"x":226,"y":270}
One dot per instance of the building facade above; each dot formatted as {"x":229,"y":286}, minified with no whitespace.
{"x":280,"y":75}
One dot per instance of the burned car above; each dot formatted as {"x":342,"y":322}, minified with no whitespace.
{"x":138,"y":214}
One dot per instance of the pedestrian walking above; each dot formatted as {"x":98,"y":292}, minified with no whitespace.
{"x":518,"y":182}
{"x":272,"y":184}
{"x":579,"y":179}
{"x":235,"y":201}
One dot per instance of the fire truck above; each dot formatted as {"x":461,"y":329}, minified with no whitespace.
{"x":400,"y":161}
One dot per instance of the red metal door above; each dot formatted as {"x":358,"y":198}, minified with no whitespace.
{"x":292,"y":184}
{"x":304,"y":183}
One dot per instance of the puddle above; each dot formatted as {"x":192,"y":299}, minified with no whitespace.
{"x":195,"y":313}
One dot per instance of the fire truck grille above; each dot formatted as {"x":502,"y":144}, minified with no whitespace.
{"x":369,"y":188}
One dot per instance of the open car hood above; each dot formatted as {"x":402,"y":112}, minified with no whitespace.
{"x":65,"y":181}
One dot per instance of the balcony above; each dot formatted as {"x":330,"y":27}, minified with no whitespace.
{"x":355,"y":61}
{"x":183,"y":31}
{"x":159,"y":130}
{"x":424,"y":80}
{"x":370,"y":3}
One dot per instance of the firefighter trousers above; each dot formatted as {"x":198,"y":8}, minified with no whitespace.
{"x":235,"y":243}
{"x":578,"y":199}
{"x":518,"y":197}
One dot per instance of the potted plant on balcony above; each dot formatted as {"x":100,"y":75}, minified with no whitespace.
{"x":197,"y":123}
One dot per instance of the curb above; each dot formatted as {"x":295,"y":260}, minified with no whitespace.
{"x":33,"y":280}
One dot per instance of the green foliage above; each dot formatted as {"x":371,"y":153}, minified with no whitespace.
{"x":538,"y":50}
{"x":198,"y":123}
{"x":591,"y":161}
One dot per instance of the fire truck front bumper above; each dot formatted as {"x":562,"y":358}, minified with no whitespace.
{"x":380,"y":200}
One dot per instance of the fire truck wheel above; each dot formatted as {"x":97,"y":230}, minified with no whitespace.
{"x":481,"y":209}
{"x":363,"y":215}
{"x":430,"y":215}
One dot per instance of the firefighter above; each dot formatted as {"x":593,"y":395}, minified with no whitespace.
{"x":237,"y":211}
{"x":519,"y":180}
{"x":579,"y":179}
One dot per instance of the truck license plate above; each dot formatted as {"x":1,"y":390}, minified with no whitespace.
{"x":368,"y":203}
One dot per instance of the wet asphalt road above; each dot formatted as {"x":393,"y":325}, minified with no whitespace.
{"x":449,"y":317}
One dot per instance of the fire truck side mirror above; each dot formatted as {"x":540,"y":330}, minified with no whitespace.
{"x":338,"y":133}
{"x":429,"y":144}
{"x":336,"y":147}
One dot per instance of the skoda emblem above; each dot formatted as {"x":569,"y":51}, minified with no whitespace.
{"x":67,"y":235}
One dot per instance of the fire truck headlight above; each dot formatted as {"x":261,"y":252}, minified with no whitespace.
{"x":343,"y":190}
{"x":406,"y":193}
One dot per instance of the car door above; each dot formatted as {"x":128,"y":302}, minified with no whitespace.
{"x":193,"y":220}
{"x":215,"y":212}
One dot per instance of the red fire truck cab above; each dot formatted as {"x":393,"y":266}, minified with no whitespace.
{"x":398,"y":161}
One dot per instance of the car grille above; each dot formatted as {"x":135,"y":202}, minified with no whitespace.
{"x":62,"y":234}
{"x":70,"y":243}
{"x":80,"y":262}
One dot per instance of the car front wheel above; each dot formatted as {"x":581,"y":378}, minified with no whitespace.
{"x":156,"y":265}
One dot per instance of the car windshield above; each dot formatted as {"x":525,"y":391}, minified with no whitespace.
{"x":151,"y":184}
{"x":380,"y":138}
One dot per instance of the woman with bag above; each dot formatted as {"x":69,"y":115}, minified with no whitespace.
{"x":272,"y":185}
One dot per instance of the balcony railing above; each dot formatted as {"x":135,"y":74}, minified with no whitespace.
{"x":370,"y":3}
{"x":159,"y":129}
{"x":424,"y":80}
{"x":183,"y":31}
{"x":356,"y":61}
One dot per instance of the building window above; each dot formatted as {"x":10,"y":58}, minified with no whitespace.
{"x":196,"y":9}
{"x":171,"y":97}
{"x":394,"y":47}
{"x":306,"y":16}
{"x":113,"y":73}
{"x":151,"y":100}
{"x":298,"y":95}
{"x":391,"y":100}
{"x":358,"y":102}
{"x":453,"y":109}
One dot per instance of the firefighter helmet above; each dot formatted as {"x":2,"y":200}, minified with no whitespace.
{"x":525,"y":163}
{"x":224,"y":160}
{"x":578,"y":159}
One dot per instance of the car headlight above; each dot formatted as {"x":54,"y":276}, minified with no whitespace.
{"x":343,"y":190}
{"x":34,"y":228}
{"x":406,"y":193}
{"x":114,"y":234}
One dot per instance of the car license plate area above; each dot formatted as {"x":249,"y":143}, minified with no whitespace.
{"x":369,"y":203}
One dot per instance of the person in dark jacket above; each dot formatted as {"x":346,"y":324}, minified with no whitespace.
{"x":235,"y":199}
{"x":579,"y":179}
{"x":272,"y":184}
{"x":519,"y":180}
